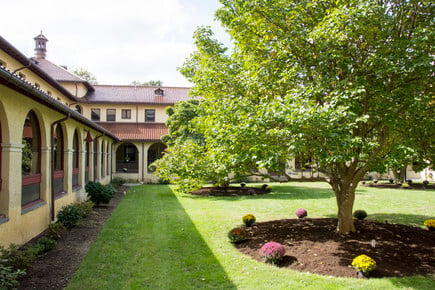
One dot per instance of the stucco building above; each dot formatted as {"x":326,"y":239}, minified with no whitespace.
{"x":58,"y":132}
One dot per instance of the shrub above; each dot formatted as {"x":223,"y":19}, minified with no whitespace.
{"x":86,"y":207}
{"x":405,"y":185}
{"x":360,"y":214}
{"x":248,"y":220}
{"x":45,"y":244}
{"x":391,"y":181}
{"x":242,"y":184}
{"x":430,"y":224}
{"x":251,"y":191}
{"x":375,"y":181}
{"x":237,"y":235}
{"x":56,"y":230}
{"x":69,"y":215}
{"x":18,"y":258}
{"x":409,"y":181}
{"x":301,"y":213}
{"x":272,"y":252}
{"x":118,"y":181}
{"x":9,"y":277}
{"x":99,"y":193}
{"x":364,"y":263}
{"x":425,"y":183}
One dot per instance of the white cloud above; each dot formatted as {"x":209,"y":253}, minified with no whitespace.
{"x":118,"y":41}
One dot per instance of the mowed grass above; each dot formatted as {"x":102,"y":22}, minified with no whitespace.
{"x":160,"y":240}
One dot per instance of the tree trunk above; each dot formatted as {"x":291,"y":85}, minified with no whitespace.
{"x":345,"y":199}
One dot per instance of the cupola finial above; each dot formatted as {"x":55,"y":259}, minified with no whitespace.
{"x":40,"y":46}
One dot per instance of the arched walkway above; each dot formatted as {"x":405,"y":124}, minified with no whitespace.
{"x":127,"y":158}
{"x":155,"y":152}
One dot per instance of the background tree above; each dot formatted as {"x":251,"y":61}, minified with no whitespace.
{"x":148,"y":83}
{"x":344,"y":82}
{"x":86,"y":75}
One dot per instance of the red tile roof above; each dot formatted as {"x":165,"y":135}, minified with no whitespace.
{"x":136,"y":131}
{"x":136,"y":95}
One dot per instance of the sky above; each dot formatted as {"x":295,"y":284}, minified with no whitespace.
{"x":119,"y":41}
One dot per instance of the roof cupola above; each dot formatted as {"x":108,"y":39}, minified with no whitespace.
{"x":40,"y":46}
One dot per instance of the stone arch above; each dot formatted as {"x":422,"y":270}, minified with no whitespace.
{"x":127,"y":158}
{"x":154,"y":152}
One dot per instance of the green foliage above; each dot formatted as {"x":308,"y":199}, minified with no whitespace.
{"x":153,"y":83}
{"x":44,"y":244}
{"x":86,"y":207}
{"x":86,"y":75}
{"x":118,"y":181}
{"x":26,"y":157}
{"x":99,"y":193}
{"x":9,"y":277}
{"x":69,"y":215}
{"x":360,"y":214}
{"x":56,"y":230}
{"x":18,"y":258}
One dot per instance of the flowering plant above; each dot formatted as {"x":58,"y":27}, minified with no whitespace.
{"x":364,"y":263}
{"x":272,"y":252}
{"x":301,"y":213}
{"x":237,"y":235}
{"x":248,"y":219}
{"x":429,"y":223}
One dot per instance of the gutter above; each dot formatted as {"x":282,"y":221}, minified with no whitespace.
{"x":53,"y":210}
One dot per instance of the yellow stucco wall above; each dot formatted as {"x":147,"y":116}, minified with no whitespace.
{"x":14,"y":107}
{"x":137,"y":112}
{"x":76,"y":89}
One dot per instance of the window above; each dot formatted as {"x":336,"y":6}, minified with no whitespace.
{"x":150,"y":115}
{"x":111,"y":115}
{"x":95,"y":114}
{"x":78,"y":109}
{"x":126,"y":114}
{"x":31,"y":160}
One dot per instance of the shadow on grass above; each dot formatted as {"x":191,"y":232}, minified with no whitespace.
{"x":150,"y":242}
{"x":281,"y":192}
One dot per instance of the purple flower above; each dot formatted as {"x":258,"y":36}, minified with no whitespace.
{"x":301,"y":213}
{"x":272,"y":252}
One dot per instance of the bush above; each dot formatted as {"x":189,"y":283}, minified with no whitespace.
{"x":391,"y":181}
{"x":56,"y":230}
{"x":266,"y":188}
{"x":69,"y":215}
{"x":251,"y":191}
{"x":118,"y":181}
{"x":86,"y":207}
{"x":301,"y":213}
{"x":425,"y":183}
{"x":237,"y":235}
{"x":430,"y":224}
{"x":242,"y":184}
{"x":18,"y":258}
{"x":364,"y":263}
{"x":409,"y":181}
{"x":99,"y":193}
{"x":272,"y":252}
{"x":405,"y":185}
{"x":45,"y":244}
{"x":248,"y":219}
{"x":9,"y":277}
{"x":360,"y":214}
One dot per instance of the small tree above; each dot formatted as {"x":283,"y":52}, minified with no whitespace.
{"x":86,"y":75}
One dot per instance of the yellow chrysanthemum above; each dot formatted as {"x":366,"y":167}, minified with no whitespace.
{"x":429,"y":223}
{"x":364,"y":263}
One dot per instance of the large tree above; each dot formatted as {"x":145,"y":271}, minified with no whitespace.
{"x":347,"y":83}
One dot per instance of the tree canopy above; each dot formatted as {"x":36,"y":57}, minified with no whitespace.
{"x":86,"y":75}
{"x":347,"y":83}
{"x":157,"y":83}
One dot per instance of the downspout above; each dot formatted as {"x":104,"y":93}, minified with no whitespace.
{"x":53,"y":210}
{"x":26,"y":66}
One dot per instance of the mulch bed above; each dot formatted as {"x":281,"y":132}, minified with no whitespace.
{"x":431,"y":186}
{"x":54,"y":269}
{"x":228,"y":191}
{"x":313,"y":246}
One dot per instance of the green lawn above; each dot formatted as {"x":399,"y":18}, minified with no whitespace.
{"x":159,"y":240}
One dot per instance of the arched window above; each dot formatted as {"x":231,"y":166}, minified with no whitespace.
{"x":58,"y":173}
{"x":75,"y":161}
{"x":127,"y":158}
{"x":155,"y":152}
{"x":31,"y":160}
{"x":78,"y":109}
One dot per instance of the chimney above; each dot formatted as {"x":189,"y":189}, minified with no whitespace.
{"x":40,"y":46}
